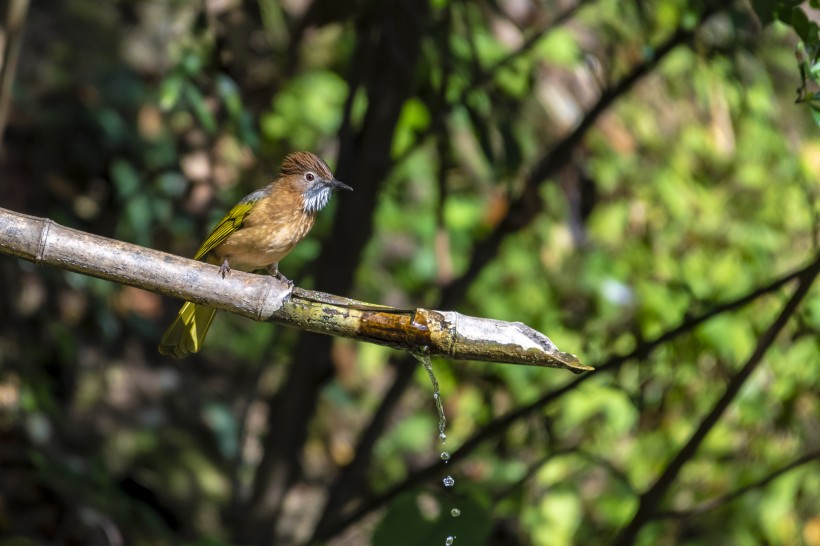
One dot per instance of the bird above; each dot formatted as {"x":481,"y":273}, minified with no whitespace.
{"x":256,"y":233}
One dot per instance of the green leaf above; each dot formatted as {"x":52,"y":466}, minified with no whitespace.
{"x":414,"y":118}
{"x":229,"y":93}
{"x":769,"y":10}
{"x":197,"y":103}
{"x":115,"y":128}
{"x":125,"y":178}
{"x":560,"y":46}
{"x":139,"y":218}
{"x":482,"y":131}
{"x":172,"y":183}
{"x":169,"y":92}
{"x":815,"y":113}
{"x":191,"y":63}
{"x":764,"y":9}
{"x":807,"y":30}
{"x":309,"y":107}
{"x":224,"y":426}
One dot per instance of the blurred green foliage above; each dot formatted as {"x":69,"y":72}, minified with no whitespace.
{"x":146,"y":121}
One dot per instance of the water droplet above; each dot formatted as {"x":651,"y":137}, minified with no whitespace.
{"x":424,"y":358}
{"x":445,"y":456}
{"x":455,"y":512}
{"x":449,"y":541}
{"x":448,"y":481}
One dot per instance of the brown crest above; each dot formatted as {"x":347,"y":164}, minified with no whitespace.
{"x":301,"y":162}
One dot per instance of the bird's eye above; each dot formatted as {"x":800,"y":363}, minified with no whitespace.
{"x":310,"y":177}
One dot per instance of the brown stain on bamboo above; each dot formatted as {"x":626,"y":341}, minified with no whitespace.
{"x":396,"y":329}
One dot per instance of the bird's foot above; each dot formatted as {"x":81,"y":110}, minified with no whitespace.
{"x":225,"y":268}
{"x":274,"y":271}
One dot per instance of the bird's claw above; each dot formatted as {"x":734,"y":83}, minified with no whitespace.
{"x":225,"y":268}
{"x":284,"y":279}
{"x":274,"y":271}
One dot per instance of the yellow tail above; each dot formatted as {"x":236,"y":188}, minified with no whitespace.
{"x":187,"y":332}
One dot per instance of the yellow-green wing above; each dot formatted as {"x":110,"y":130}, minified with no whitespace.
{"x":230,"y":223}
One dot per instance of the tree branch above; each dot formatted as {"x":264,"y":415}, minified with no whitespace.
{"x":526,"y":207}
{"x":520,"y":214}
{"x":482,"y":77}
{"x":500,"y":424}
{"x":729,"y":497}
{"x":264,"y":298}
{"x":651,"y":499}
{"x":388,"y":45}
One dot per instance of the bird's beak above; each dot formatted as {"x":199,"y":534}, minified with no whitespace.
{"x":339,"y":185}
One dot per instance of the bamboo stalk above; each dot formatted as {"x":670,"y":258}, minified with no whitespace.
{"x":265,"y":298}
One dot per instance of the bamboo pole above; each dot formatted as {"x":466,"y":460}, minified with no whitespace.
{"x":265,"y":298}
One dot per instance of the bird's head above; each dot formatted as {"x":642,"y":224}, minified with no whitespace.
{"x":312,"y":178}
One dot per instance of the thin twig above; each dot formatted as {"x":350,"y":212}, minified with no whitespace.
{"x":500,"y":424}
{"x":652,"y":498}
{"x":723,"y":500}
{"x":454,"y":292}
{"x":531,"y":471}
{"x":526,"y":207}
{"x":482,"y":77}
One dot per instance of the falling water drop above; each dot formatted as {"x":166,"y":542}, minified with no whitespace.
{"x":424,"y":358}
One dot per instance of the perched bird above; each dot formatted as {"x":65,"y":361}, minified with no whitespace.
{"x":258,"y":232}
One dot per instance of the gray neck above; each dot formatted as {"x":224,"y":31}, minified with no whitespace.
{"x":316,"y":198}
